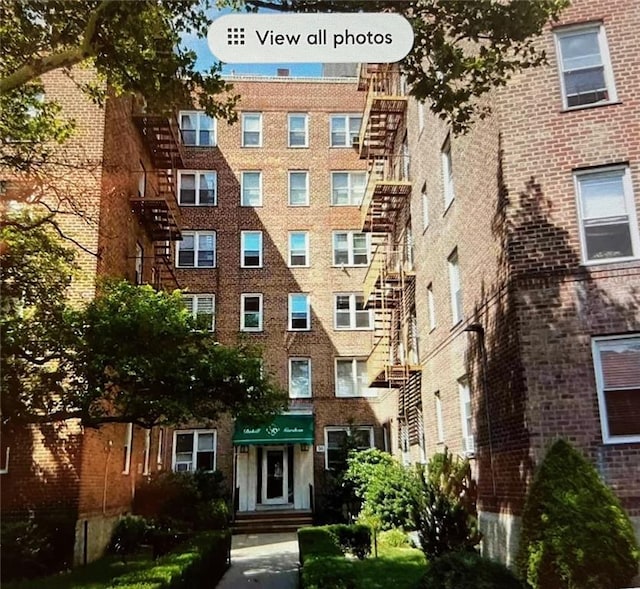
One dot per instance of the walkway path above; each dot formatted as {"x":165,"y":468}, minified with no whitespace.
{"x":262,"y":561}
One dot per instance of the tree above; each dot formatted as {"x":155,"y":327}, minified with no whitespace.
{"x":132,"y":355}
{"x":462,"y":49}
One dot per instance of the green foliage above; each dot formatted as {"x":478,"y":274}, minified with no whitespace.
{"x":334,"y":540}
{"x":462,"y":49}
{"x":395,"y":538}
{"x":445,"y":514}
{"x":575,"y":534}
{"x":128,"y":535}
{"x":330,"y":572}
{"x":468,"y":570}
{"x":353,"y":539}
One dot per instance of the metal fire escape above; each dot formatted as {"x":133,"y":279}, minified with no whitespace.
{"x":157,"y":209}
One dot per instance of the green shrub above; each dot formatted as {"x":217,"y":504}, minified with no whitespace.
{"x":354,"y":538}
{"x":317,"y":541}
{"x":468,"y":570}
{"x":395,"y":538}
{"x":575,"y":533}
{"x":332,"y":572}
{"x":128,"y":535}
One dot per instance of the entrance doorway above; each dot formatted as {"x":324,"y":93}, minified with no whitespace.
{"x":275,"y":474}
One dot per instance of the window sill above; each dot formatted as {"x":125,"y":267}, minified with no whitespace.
{"x":347,"y":329}
{"x":301,"y":206}
{"x":622,"y":440}
{"x":447,"y":206}
{"x":197,"y":205}
{"x":299,"y":266}
{"x":457,"y":324}
{"x":588,"y":106}
{"x":251,"y":330}
{"x":196,"y":267}
{"x":299,"y":330}
{"x":298,"y":146}
{"x":608,"y":262}
{"x":195,"y":146}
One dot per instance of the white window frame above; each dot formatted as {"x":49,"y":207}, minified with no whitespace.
{"x":309,"y":393}
{"x":359,"y":391}
{"x":292,"y":115}
{"x":159,"y":457}
{"x":242,"y":188}
{"x":243,"y":248}
{"x":605,"y":58}
{"x":196,"y":244}
{"x":348,"y":135}
{"x":596,"y":344}
{"x":425,"y":207}
{"x":243,"y":297}
{"x":194,"y":453}
{"x":431,"y":307}
{"x":307,"y":261}
{"x":139,"y":264}
{"x":447,"y":174}
{"x":306,"y":199}
{"x":466,"y":418}
{"x":308,"y":311}
{"x":439,"y":418}
{"x":455,"y":286}
{"x":245,"y":117}
{"x":344,"y":428}
{"x":350,"y":249}
{"x":195,"y":298}
{"x":128,"y":448}
{"x":4,"y":468}
{"x":198,"y":174}
{"x":629,"y":202}
{"x":199,"y":114}
{"x":147,"y":452}
{"x":352,"y":312}
{"x":353,"y":200}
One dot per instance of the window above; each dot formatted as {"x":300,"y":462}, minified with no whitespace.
{"x":251,"y":312}
{"x":425,"y":207}
{"x":350,"y":312}
{"x":299,"y":312}
{"x":345,"y":129}
{"x":339,"y":440}
{"x":196,"y":250}
{"x":194,"y":450}
{"x":299,"y":248}
{"x":421,"y":108}
{"x":202,"y":307}
{"x":298,"y":130}
{"x":251,"y":189}
{"x":197,"y":188}
{"x":127,"y":448}
{"x":421,"y":437}
{"x":251,"y":249}
{"x":4,"y":456}
{"x":617,"y":367}
{"x":456,"y":289}
{"x":139,"y":264}
{"x":160,"y":447}
{"x":447,"y":173}
{"x":251,"y":129}
{"x":466,"y":413}
{"x":585,"y":70}
{"x":431,"y":307}
{"x":352,"y":379}
{"x":347,"y":188}
{"x":439,"y":419}
{"x":350,"y":249}
{"x":608,"y":222}
{"x":197,"y":128}
{"x":299,"y":378}
{"x":147,"y":451}
{"x":299,"y":189}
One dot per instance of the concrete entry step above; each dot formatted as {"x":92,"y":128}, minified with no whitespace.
{"x":276,"y":521}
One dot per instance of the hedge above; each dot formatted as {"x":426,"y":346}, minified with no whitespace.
{"x":334,"y":540}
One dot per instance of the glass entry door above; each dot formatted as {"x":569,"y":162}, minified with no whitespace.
{"x":274,"y":475}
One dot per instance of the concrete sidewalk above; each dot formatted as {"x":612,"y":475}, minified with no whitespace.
{"x":264,"y":561}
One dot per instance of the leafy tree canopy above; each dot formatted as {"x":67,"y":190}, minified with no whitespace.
{"x":462,"y":49}
{"x":131,"y":355}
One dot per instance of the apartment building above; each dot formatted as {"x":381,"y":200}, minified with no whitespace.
{"x":506,"y":277}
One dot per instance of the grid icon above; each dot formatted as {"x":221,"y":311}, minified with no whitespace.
{"x":235,"y":35}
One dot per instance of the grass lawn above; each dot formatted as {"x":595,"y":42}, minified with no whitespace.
{"x":400,"y":568}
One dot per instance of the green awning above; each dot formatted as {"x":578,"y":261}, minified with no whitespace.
{"x":284,"y":429}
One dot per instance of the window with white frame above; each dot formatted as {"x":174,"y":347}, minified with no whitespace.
{"x":447,"y":173}
{"x":466,"y":415}
{"x":5,"y":452}
{"x":422,"y":443}
{"x":197,"y":188}
{"x":431,"y":307}
{"x":194,"y":450}
{"x":338,"y":440}
{"x":196,"y":250}
{"x":352,"y":379}
{"x":160,"y":453}
{"x":299,"y":188}
{"x":251,"y":249}
{"x":617,"y":368}
{"x":350,"y":312}
{"x":147,"y":451}
{"x":439,"y":418}
{"x":299,"y":248}
{"x":298,"y":129}
{"x":197,"y":128}
{"x":299,"y":378}
{"x":251,"y":189}
{"x":608,"y":221}
{"x":202,"y":307}
{"x":425,"y":207}
{"x":347,"y":188}
{"x":299,"y":312}
{"x":345,"y":129}
{"x":139,"y":264}
{"x":127,"y":449}
{"x":350,"y":248}
{"x":250,"y":312}
{"x":586,"y":76}
{"x":251,"y":129}
{"x":456,"y":288}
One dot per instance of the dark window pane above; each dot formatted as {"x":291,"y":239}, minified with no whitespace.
{"x":184,"y":443}
{"x":585,"y":81}
{"x":186,"y":258}
{"x":205,"y":460}
{"x":187,"y":196}
{"x":207,"y":197}
{"x":608,"y":241}
{"x":623,"y":412}
{"x":188,"y":137}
